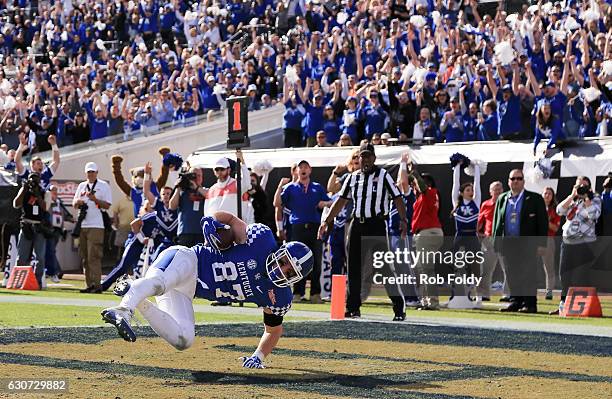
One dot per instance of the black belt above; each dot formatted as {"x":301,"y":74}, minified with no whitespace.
{"x":378,"y":218}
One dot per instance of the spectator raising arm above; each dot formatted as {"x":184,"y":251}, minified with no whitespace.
{"x":146,"y":184}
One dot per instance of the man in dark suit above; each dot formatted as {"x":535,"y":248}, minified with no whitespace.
{"x":520,"y":225}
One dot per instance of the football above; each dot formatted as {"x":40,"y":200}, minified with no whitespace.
{"x":227,"y":238}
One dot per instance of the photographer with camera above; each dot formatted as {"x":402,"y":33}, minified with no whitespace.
{"x":581,"y":209}
{"x":92,"y":198}
{"x":34,"y":203}
{"x":188,"y":198}
{"x":57,"y":214}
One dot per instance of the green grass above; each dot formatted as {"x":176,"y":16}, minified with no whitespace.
{"x":14,"y":314}
{"x":36,"y":315}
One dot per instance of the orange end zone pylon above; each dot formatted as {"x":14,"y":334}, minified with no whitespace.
{"x":22,"y":278}
{"x":338,"y":297}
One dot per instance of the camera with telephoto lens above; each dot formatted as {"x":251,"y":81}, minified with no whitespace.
{"x":32,"y":185}
{"x":80,"y":217}
{"x":583,"y":190}
{"x":185,"y":179}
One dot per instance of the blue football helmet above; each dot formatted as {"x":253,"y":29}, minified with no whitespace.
{"x":289,"y":264}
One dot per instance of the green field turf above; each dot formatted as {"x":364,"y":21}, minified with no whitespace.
{"x":25,"y":315}
{"x":36,"y":315}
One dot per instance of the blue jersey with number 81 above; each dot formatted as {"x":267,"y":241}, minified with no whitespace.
{"x":239,"y":273}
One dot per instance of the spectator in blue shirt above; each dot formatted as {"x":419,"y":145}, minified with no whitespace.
{"x":149,"y":117}
{"x":293,"y":116}
{"x":331,"y":125}
{"x":350,"y":119}
{"x":210,"y":99}
{"x":98,"y":117}
{"x":186,"y":116}
{"x":548,"y":126}
{"x":314,"y":114}
{"x":452,"y":123}
{"x":373,"y":114}
{"x":488,"y":121}
{"x":508,"y":102}
{"x":305,"y":199}
{"x":556,"y":97}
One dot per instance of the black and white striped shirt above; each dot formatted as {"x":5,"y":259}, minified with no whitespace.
{"x":370,"y":192}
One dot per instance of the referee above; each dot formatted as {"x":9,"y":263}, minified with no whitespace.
{"x":371,"y":189}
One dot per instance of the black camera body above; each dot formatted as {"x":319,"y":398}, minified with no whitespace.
{"x":82,"y":214}
{"x":32,"y":185}
{"x":185,"y":179}
{"x":583,"y":190}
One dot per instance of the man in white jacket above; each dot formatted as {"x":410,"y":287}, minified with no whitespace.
{"x":222,"y":196}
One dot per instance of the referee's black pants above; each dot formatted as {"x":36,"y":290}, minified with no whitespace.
{"x":306,"y":233}
{"x":361,"y":252}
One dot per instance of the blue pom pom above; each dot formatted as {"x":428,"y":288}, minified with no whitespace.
{"x":457,"y":157}
{"x":173,"y":159}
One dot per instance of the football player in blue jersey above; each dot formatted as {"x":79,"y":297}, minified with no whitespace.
{"x":238,"y":263}
{"x":144,"y":228}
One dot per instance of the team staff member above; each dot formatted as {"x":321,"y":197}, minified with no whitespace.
{"x":305,"y":199}
{"x":96,"y":194}
{"x":428,"y":236}
{"x":520,"y":213}
{"x":370,"y":188}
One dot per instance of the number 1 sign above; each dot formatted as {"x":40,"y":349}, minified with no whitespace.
{"x":237,"y":122}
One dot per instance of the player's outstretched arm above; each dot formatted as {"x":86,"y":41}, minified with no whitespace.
{"x":273,"y":330}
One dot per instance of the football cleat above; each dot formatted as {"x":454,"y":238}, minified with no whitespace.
{"x":122,"y":286}
{"x":120,"y":318}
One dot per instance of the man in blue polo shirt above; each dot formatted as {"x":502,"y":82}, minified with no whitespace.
{"x":305,"y":199}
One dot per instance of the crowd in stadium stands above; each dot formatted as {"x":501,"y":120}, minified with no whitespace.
{"x":420,"y":70}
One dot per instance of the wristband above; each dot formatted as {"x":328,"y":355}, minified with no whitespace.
{"x":140,"y":237}
{"x":147,"y":176}
{"x":54,"y":147}
{"x":403,"y":167}
{"x":279,"y":225}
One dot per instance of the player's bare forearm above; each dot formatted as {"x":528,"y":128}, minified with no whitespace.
{"x":269,"y":339}
{"x":238,"y":226}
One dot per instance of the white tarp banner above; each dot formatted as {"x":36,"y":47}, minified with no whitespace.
{"x":595,"y":150}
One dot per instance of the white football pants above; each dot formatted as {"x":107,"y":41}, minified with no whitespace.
{"x":174,"y":288}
